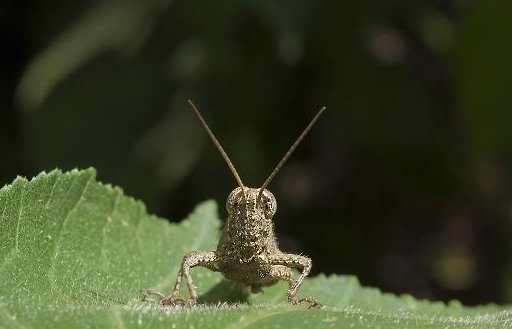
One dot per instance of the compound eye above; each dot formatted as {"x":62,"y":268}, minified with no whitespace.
{"x":269,"y":204}
{"x":234,"y":199}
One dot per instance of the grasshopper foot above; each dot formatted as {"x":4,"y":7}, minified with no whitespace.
{"x":174,"y":300}
{"x":313,"y":303}
{"x":144,"y":294}
{"x":171,"y":300}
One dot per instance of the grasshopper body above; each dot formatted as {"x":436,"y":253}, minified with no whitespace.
{"x":247,"y":251}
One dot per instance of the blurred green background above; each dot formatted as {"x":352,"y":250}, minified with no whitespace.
{"x":406,"y":181}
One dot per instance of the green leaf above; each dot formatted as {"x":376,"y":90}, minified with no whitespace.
{"x":75,"y":253}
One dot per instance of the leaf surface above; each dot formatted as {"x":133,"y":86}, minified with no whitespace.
{"x":75,"y":253}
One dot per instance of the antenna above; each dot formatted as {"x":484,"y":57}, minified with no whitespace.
{"x":219,"y":147}
{"x":290,"y":151}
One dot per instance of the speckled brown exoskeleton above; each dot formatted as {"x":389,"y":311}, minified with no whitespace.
{"x":247,"y":251}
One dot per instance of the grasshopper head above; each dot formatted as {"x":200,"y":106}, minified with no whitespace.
{"x":236,"y":203}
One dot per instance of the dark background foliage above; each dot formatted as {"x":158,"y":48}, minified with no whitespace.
{"x":405,"y":181}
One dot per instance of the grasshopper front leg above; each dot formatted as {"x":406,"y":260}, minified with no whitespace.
{"x":192,"y":259}
{"x":299,"y":262}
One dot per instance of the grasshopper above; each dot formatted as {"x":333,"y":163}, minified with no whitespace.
{"x":247,"y":251}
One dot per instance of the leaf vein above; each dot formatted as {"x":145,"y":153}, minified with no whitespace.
{"x":16,"y":248}
{"x":49,"y":198}
{"x":255,"y":317}
{"x":51,"y":274}
{"x":108,"y":220}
